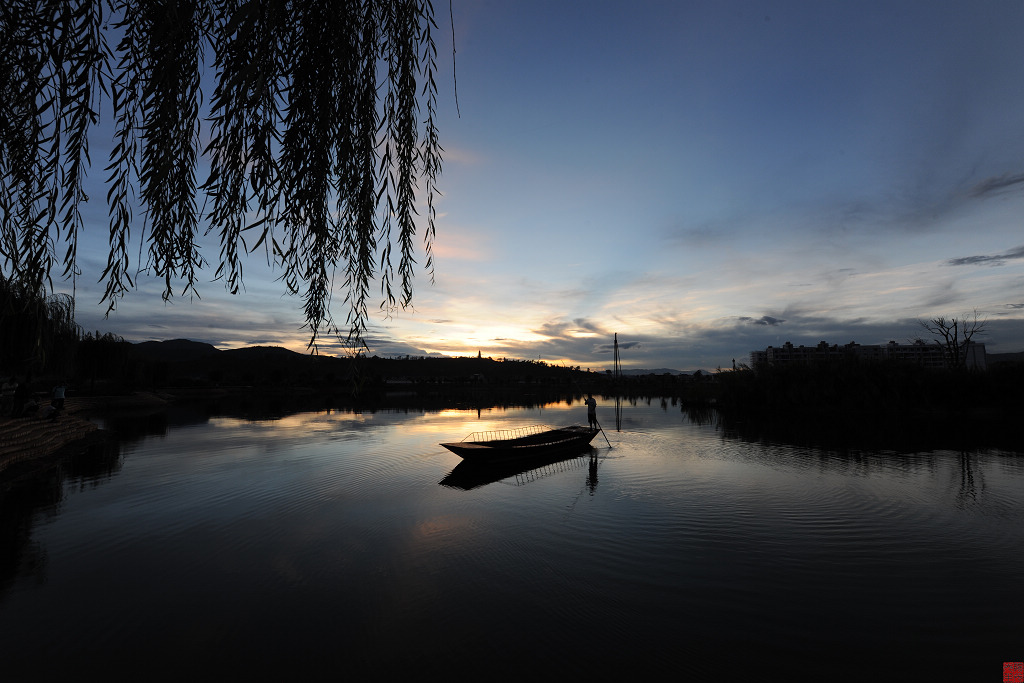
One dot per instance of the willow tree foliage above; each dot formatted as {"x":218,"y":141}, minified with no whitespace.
{"x":316,"y":118}
{"x":37,"y":332}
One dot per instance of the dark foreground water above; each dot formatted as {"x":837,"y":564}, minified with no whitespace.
{"x":323,"y":546}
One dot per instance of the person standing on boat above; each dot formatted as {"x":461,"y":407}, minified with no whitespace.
{"x":591,"y":411}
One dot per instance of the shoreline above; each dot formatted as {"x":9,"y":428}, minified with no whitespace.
{"x":23,"y":439}
{"x":35,"y":438}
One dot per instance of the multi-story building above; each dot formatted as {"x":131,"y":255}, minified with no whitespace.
{"x":919,"y":352}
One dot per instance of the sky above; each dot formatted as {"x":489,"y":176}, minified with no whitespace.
{"x":701,"y":179}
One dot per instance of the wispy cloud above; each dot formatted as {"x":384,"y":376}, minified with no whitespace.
{"x":623,"y":345}
{"x":763,"y":320}
{"x":988,"y":259}
{"x":589,"y":326}
{"x":561,"y":329}
{"x":459,"y":244}
{"x":997,"y":184}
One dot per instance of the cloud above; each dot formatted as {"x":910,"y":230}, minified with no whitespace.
{"x":553,"y":329}
{"x":707,"y":344}
{"x":262,"y":341}
{"x":458,"y":244}
{"x":763,"y":320}
{"x":561,"y":329}
{"x":585,"y":324}
{"x":991,"y":259}
{"x":623,"y":346}
{"x":996,"y":184}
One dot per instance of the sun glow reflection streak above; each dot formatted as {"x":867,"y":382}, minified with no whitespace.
{"x":422,"y":431}
{"x":455,"y":424}
{"x":319,"y":421}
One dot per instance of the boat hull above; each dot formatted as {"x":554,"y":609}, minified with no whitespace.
{"x":562,"y":441}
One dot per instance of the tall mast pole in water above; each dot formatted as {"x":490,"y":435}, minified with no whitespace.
{"x":616,"y":381}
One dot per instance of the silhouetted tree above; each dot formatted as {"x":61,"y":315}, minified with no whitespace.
{"x":317,"y":142}
{"x":37,"y":332}
{"x":954,"y":335}
{"x":101,"y":357}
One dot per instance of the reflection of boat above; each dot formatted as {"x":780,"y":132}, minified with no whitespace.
{"x":525,"y":442}
{"x":471,"y":474}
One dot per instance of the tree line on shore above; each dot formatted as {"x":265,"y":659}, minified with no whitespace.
{"x":866,"y":388}
{"x":39,"y":338}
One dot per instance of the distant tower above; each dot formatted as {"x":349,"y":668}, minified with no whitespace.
{"x":478,"y":354}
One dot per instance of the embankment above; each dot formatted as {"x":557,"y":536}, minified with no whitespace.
{"x":34,"y":437}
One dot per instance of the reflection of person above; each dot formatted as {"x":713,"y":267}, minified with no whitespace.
{"x":591,"y":411}
{"x":592,"y":472}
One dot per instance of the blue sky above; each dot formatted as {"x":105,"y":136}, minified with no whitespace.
{"x":703,"y":179}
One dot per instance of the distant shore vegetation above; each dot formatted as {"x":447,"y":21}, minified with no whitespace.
{"x":40,"y":341}
{"x":106,"y":363}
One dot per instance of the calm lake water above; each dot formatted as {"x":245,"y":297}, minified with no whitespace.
{"x":323,"y":545}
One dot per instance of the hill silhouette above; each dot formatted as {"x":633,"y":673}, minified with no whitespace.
{"x":184,"y":369}
{"x":173,"y":350}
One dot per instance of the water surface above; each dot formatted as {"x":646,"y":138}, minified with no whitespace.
{"x":324,"y":545}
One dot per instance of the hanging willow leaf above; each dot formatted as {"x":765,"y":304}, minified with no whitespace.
{"x":318,"y":145}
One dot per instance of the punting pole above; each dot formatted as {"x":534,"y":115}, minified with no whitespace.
{"x":603,"y":434}
{"x":616,"y":385}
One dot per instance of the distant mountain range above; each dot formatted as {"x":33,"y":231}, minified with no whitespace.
{"x":184,"y":350}
{"x":177,"y":350}
{"x":173,"y":350}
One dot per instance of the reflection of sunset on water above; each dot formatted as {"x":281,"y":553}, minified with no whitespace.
{"x":419,"y":429}
{"x":314,"y":421}
{"x":454,"y":424}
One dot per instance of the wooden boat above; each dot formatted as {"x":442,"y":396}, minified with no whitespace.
{"x":525,"y":442}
